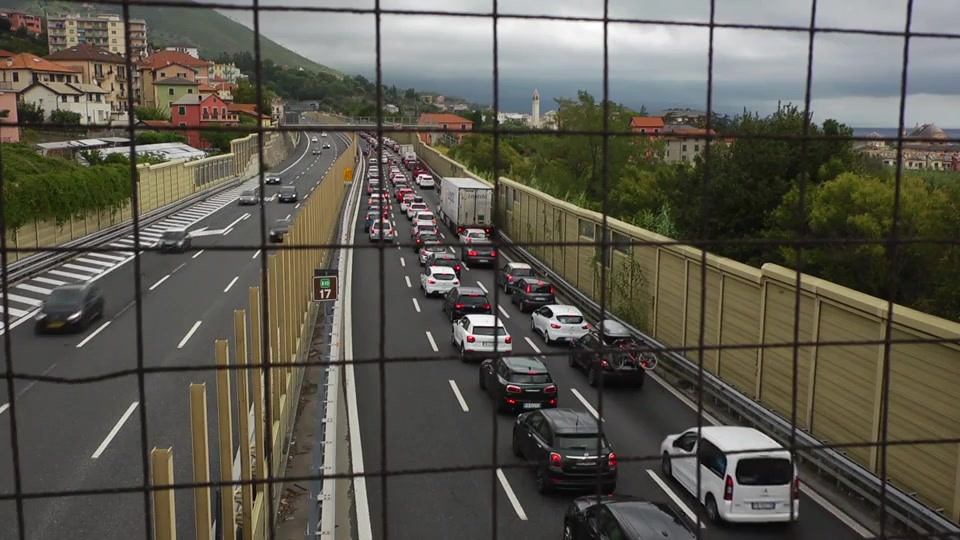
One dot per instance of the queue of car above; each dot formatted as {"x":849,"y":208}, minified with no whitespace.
{"x":567,"y":446}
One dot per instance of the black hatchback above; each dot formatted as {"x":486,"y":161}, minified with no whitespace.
{"x":624,"y":517}
{"x":531,"y":293}
{"x":444,"y":259}
{"x":478,"y":253}
{"x":462,"y":301}
{"x":288,"y":194}
{"x":174,"y":240}
{"x":70,"y":308}
{"x":518,"y":383}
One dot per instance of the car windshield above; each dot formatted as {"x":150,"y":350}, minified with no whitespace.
{"x":578,"y":441}
{"x":570,"y":319}
{"x":470,"y":300}
{"x":488,"y":331}
{"x":65,"y":297}
{"x":248,"y":193}
{"x":281,"y":225}
{"x":530,"y":378}
{"x":764,"y":472}
{"x":174,"y":235}
{"x":521,"y":272}
{"x":541,"y":288}
{"x":288,"y":189}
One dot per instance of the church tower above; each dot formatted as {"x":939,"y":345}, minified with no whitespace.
{"x":536,"y":108}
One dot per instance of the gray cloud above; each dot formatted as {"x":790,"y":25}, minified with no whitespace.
{"x":648,"y":63}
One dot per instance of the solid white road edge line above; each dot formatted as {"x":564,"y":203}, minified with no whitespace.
{"x":433,"y":344}
{"x":93,"y":334}
{"x":676,"y":499}
{"x":511,"y":496}
{"x":360,"y":500}
{"x":115,"y":430}
{"x":187,"y":337}
{"x":456,"y":392}
{"x":294,"y":164}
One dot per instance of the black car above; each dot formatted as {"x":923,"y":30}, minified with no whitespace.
{"x":518,"y":383}
{"x":174,"y":240}
{"x":478,"y":253}
{"x":511,"y":272}
{"x":611,"y":352}
{"x":624,"y":518}
{"x":316,"y":151}
{"x":461,"y":301}
{"x":279,"y":230}
{"x":444,"y":259}
{"x":563,"y":444}
{"x":288,"y":194}
{"x":426,"y":237}
{"x":530,"y":293}
{"x":70,"y":308}
{"x":272,"y":180}
{"x":248,"y":197}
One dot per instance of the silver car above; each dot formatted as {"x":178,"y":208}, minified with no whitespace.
{"x":382,"y":230}
{"x":249,"y":197}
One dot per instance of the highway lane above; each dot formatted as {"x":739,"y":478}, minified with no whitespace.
{"x":186,"y":288}
{"x":426,"y":425}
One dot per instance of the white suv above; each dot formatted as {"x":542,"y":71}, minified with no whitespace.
{"x":425,"y":181}
{"x":438,"y":280}
{"x":382,"y":231}
{"x":481,"y":334}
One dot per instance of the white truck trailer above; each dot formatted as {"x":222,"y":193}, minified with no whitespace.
{"x":465,"y":203}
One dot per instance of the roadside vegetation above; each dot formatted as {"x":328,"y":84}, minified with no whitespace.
{"x":751,"y":191}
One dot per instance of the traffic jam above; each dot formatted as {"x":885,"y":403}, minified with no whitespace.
{"x":448,"y":225}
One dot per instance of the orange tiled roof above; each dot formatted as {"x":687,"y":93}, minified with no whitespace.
{"x":5,"y":53}
{"x":34,"y":63}
{"x":206,"y":88}
{"x":442,"y":118}
{"x":646,"y":122}
{"x":245,"y":108}
{"x":164,"y":58}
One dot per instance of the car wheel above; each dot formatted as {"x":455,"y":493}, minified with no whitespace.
{"x":546,"y":337}
{"x":463,"y":354}
{"x":567,"y":531}
{"x":506,"y":289}
{"x":543,"y":485}
{"x":666,"y":466}
{"x":523,"y":307}
{"x":592,"y":376}
{"x":533,"y":327}
{"x":713,"y":513}
{"x":570,"y":361}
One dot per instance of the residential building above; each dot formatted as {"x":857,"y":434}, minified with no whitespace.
{"x":107,"y":31}
{"x":277,"y":108}
{"x":87,"y":100}
{"x":19,"y":19}
{"x":926,"y":147}
{"x":648,"y":125}
{"x":8,"y":115}
{"x":249,"y":111}
{"x":23,"y":69}
{"x":185,"y":49}
{"x":681,"y":116}
{"x":225,"y":90}
{"x":192,"y":112}
{"x":4,"y":54}
{"x":458,"y":125}
{"x":170,"y":90}
{"x":684,"y":143}
{"x":102,"y":68}
{"x":205,"y":90}
{"x":390,"y":109}
{"x":166,"y":64}
{"x":227,"y":72}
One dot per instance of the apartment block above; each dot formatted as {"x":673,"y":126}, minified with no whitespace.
{"x":18,"y":19}
{"x":107,"y":31}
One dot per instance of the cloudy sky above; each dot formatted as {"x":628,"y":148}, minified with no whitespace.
{"x":856,"y":78}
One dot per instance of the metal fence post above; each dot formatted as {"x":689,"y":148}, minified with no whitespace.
{"x":258,"y":389}
{"x":273,"y":331}
{"x":201,"y":460}
{"x":225,"y":430}
{"x":164,"y":507}
{"x":243,"y":422}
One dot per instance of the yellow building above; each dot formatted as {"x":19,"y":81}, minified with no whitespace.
{"x":102,"y":68}
{"x":107,"y":31}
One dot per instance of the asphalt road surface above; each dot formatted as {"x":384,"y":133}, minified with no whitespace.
{"x":437,"y":417}
{"x":88,"y":436}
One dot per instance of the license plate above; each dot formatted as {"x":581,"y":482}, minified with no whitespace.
{"x":586,"y":464}
{"x":763,"y":506}
{"x":57,"y":324}
{"x":531,"y":405}
{"x":482,"y":260}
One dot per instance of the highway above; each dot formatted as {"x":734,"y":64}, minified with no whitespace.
{"x":88,"y":436}
{"x":436,"y":416}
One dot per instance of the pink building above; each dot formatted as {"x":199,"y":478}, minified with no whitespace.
{"x":8,"y":106}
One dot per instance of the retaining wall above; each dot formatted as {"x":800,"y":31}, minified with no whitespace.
{"x":159,"y":185}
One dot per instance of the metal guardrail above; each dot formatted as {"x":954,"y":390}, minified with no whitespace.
{"x":906,"y":510}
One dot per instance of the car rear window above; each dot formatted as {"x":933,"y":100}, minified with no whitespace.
{"x":419,"y":206}
{"x":444,"y":276}
{"x":539,"y":288}
{"x":488,"y":331}
{"x":764,"y":472}
{"x":478,"y":300}
{"x":570,"y":319}
{"x":576,"y":441}
{"x":530,"y":378}
{"x":449,"y":263}
{"x":520,"y":272}
{"x":435,"y":249}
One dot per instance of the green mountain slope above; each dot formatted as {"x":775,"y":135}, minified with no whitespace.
{"x":203,"y":28}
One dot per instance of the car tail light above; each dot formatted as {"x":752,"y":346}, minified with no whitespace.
{"x":552,"y":290}
{"x":552,"y":389}
{"x":459,"y":230}
{"x":510,"y":278}
{"x":554,"y":325}
{"x":486,"y":306}
{"x":432,"y":282}
{"x":472,"y":253}
{"x":457,"y":268}
{"x":528,"y":288}
{"x":471,"y":339}
{"x":796,"y":488}
{"x":553,"y":401}
{"x":508,"y":339}
{"x":493,"y":253}
{"x":603,"y":363}
{"x":612,"y":459}
{"x":513,"y":389}
{"x":586,"y":326}
{"x":456,"y":282}
{"x":728,"y":488}
{"x":555,"y":460}
{"x":458,"y":305}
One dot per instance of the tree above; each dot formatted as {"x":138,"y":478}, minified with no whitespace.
{"x":643,"y":111}
{"x":65,"y":117}
{"x":157,"y":137}
{"x":410,"y":94}
{"x":5,"y":25}
{"x":143,"y":113}
{"x":30,"y":113}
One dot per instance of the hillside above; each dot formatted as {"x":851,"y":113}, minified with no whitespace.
{"x":206,"y":29}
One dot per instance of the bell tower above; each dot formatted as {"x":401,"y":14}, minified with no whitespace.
{"x":536,"y":108}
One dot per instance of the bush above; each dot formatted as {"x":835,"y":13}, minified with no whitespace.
{"x":157,"y":137}
{"x":41,"y":188}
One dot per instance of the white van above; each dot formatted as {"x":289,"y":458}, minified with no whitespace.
{"x":745,"y":476}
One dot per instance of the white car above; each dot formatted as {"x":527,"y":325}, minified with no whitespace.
{"x":424,"y":218}
{"x":438,"y":280}
{"x":313,"y":139}
{"x":374,"y":199}
{"x":428,"y":249}
{"x":559,"y":323}
{"x":745,"y":476}
{"x":481,"y":334}
{"x":324,"y":134}
{"x":383,"y":160}
{"x":372,"y":162}
{"x":382,"y":230}
{"x":470,"y":236}
{"x":416,"y":207}
{"x":426,"y":181}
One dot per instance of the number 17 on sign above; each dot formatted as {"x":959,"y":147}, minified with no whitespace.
{"x":324,"y":288}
